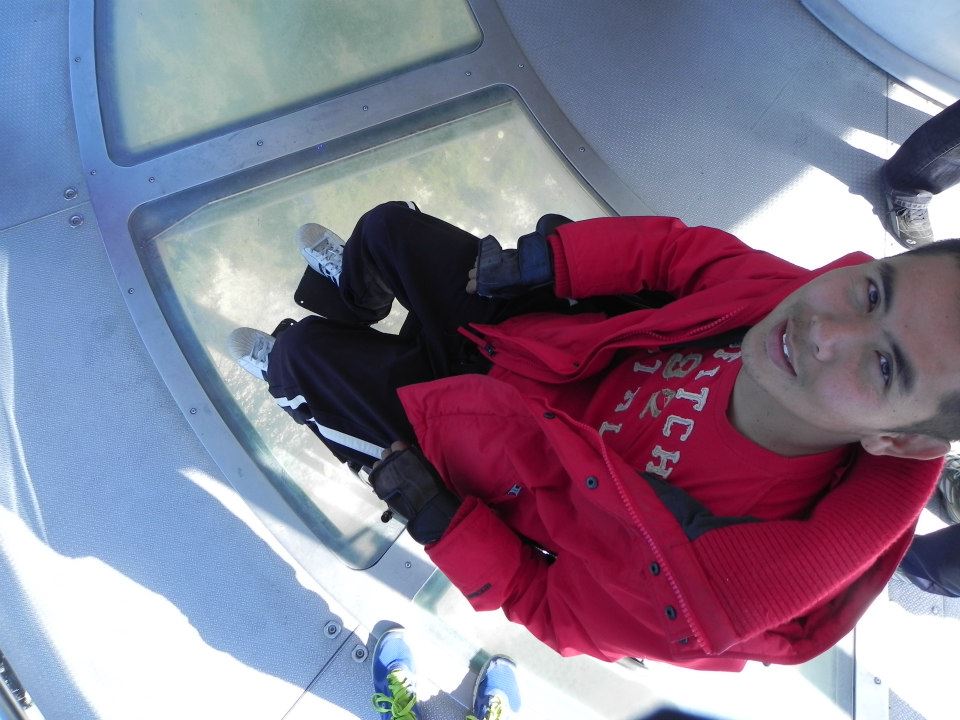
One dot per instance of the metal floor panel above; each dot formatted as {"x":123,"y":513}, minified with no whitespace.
{"x":714,"y":111}
{"x":135,"y":579}
{"x":39,"y":155}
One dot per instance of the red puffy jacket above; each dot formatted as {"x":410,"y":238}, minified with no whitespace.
{"x":631,"y":577}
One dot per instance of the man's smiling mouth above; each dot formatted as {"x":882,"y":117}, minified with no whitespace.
{"x":785,"y":346}
{"x":778,"y":349}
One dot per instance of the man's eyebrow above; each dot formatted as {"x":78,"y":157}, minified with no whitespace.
{"x":904,"y":368}
{"x":887,"y":281}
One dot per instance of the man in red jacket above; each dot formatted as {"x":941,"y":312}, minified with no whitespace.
{"x":732,"y":476}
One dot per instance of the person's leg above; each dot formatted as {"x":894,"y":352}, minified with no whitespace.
{"x":341,"y":381}
{"x":398,"y":252}
{"x":927,"y":163}
{"x":933,"y":562}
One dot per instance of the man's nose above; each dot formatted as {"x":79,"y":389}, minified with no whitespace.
{"x":829,"y":334}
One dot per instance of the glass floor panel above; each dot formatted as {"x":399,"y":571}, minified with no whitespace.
{"x":175,"y":71}
{"x":233,"y":262}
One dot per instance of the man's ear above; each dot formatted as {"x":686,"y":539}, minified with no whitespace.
{"x":906,"y":445}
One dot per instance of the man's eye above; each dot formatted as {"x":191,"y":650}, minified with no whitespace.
{"x":873,"y":296}
{"x":885,"y":371}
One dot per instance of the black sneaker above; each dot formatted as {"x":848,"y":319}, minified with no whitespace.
{"x":907,"y":218}
{"x":949,"y":488}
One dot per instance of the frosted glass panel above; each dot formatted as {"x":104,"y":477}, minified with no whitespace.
{"x":175,"y":71}
{"x":234,"y":262}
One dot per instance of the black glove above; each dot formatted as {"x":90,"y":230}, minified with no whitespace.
{"x":412,"y":489}
{"x":508,"y":273}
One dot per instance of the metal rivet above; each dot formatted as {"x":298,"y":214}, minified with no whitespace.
{"x":582,"y":149}
{"x":193,"y":411}
{"x":877,"y":681}
{"x":70,"y":193}
{"x":359,"y":653}
{"x":76,"y":220}
{"x":260,"y":143}
{"x":468,"y":73}
{"x":332,"y":629}
{"x":520,"y":65}
{"x":77,"y":59}
{"x":129,"y":291}
{"x":151,"y":179}
{"x":408,"y":564}
{"x":365,"y":108}
{"x":93,"y":172}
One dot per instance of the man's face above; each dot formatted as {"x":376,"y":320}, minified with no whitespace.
{"x":857,"y":351}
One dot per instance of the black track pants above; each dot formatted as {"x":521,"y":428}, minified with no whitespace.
{"x":339,"y":376}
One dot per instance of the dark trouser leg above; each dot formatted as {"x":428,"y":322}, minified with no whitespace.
{"x":345,"y":372}
{"x":399,"y":252}
{"x":341,"y":381}
{"x":929,"y":160}
{"x":933,"y":562}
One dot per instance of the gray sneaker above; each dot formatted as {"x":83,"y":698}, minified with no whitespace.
{"x":251,"y":350}
{"x":322,"y":249}
{"x":907,"y":218}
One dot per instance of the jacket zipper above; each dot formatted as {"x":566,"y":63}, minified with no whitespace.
{"x":658,"y":555}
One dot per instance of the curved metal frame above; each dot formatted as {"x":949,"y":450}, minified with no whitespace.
{"x":117,"y":191}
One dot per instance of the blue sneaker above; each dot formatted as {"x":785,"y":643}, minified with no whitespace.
{"x":394,"y":679}
{"x":496,"y":695}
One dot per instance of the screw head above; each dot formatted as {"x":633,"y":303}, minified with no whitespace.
{"x":259,"y":143}
{"x":408,"y":564}
{"x":331,"y":629}
{"x":151,"y":179}
{"x":193,"y":411}
{"x":76,"y":220}
{"x":520,"y":65}
{"x":70,"y":193}
{"x":877,"y":681}
{"x":365,"y":108}
{"x":468,"y":73}
{"x":359,"y":653}
{"x":93,"y":172}
{"x":582,"y":149}
{"x":129,"y":291}
{"x":77,"y":59}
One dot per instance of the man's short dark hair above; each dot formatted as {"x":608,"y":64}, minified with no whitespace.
{"x":945,"y":423}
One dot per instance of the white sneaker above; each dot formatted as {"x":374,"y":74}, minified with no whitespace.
{"x":251,"y":350}
{"x":322,"y":249}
